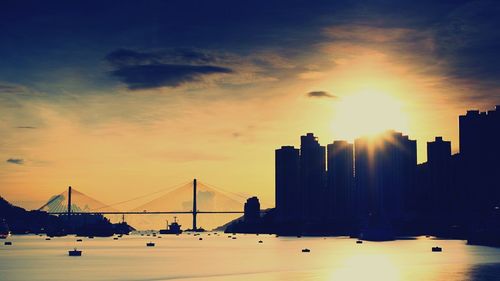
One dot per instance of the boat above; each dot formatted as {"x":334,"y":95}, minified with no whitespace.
{"x":74,"y":253}
{"x":306,"y":250}
{"x":48,"y":238}
{"x":115,"y":238}
{"x":173,"y":228}
{"x":150,"y":244}
{"x":4,"y":230}
{"x":7,"y":243}
{"x":437,"y":249}
{"x":260,"y":241}
{"x":359,"y":242}
{"x":79,"y":240}
{"x":200,"y":238}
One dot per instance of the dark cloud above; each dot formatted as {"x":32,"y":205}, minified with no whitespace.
{"x":16,"y":161}
{"x":150,"y":76}
{"x":121,"y":57}
{"x":165,"y":68}
{"x":11,"y":89}
{"x":464,"y":33}
{"x":26,"y":127}
{"x":321,"y":94}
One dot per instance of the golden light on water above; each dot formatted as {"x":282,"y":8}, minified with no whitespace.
{"x":367,"y":267}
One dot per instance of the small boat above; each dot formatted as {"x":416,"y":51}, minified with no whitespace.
{"x":91,"y":237}
{"x":359,"y":242}
{"x":234,"y":238}
{"x":79,"y":240}
{"x":115,"y":238}
{"x":74,"y":253}
{"x":260,"y":241}
{"x":200,"y":238}
{"x":150,"y":244}
{"x":298,"y":236}
{"x":48,"y":238}
{"x":437,"y":249}
{"x":305,"y":250}
{"x":7,"y":243}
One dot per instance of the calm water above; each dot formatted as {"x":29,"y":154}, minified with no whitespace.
{"x":221,"y":258}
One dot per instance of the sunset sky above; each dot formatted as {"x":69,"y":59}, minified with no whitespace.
{"x":119,"y":99}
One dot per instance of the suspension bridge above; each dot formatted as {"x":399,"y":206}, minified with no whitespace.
{"x":73,"y":202}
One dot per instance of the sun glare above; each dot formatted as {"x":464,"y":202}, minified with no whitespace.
{"x":368,"y":113}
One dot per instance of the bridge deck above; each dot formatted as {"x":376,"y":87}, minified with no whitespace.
{"x":149,"y":213}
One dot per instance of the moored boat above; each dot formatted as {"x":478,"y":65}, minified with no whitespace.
{"x":74,"y":253}
{"x":173,"y":228}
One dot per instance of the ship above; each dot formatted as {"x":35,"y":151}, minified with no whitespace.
{"x":173,"y":228}
{"x":4,"y":230}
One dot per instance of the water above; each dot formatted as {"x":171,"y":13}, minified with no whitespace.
{"x":185,"y":257}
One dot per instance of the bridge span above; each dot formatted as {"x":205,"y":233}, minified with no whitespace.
{"x":194,"y":212}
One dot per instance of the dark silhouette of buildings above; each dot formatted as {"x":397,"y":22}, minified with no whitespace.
{"x":288,"y":204}
{"x":375,"y":188}
{"x":312,"y":179}
{"x":385,"y":168}
{"x":340,"y":181}
{"x":252,"y":210}
{"x":480,"y":155}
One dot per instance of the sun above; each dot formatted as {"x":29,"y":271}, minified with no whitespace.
{"x":368,"y":113}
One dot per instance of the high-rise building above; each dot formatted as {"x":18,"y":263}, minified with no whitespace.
{"x":340,"y":180}
{"x":252,"y":210}
{"x":312,"y":178}
{"x":438,"y":151}
{"x":480,"y":159}
{"x":385,"y":169}
{"x":287,"y":184}
{"x":438,"y":195}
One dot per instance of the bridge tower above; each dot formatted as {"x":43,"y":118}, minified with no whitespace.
{"x":195,"y":210}
{"x":69,"y":203}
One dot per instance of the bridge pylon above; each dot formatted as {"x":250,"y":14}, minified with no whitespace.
{"x":195,"y":210}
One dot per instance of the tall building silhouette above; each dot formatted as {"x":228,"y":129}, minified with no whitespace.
{"x":385,"y":169}
{"x":287,"y":184}
{"x":312,"y":178}
{"x":438,"y":151}
{"x":340,"y":180}
{"x":252,"y":210}
{"x":480,"y":156}
{"x":438,"y":192}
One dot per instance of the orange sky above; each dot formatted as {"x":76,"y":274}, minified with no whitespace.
{"x":121,"y":143}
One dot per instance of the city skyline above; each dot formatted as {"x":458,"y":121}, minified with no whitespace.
{"x":120,"y":97}
{"x":374,"y":188}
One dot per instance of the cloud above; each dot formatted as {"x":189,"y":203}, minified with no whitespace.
{"x":6,"y":88}
{"x":321,"y":94}
{"x":16,"y":161}
{"x":166,"y":68}
{"x":164,"y":75}
{"x":26,"y":127}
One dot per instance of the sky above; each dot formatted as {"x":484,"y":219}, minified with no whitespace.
{"x":121,"y":98}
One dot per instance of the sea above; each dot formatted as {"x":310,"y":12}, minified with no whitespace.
{"x":220,"y":256}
